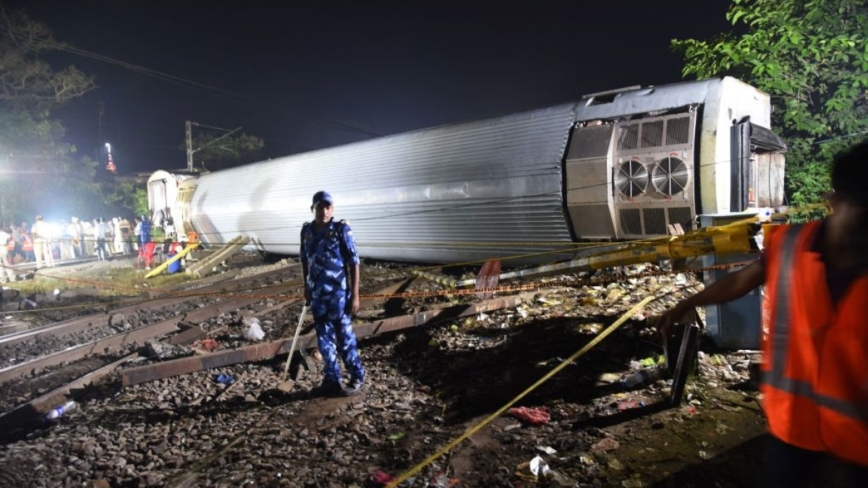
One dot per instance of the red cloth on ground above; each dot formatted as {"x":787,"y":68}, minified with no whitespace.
{"x":536,"y":416}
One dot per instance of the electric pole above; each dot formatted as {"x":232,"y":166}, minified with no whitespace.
{"x":191,"y":151}
{"x":189,"y":146}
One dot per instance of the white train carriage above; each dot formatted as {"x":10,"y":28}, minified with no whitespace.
{"x":617,"y":165}
{"x":163,"y":196}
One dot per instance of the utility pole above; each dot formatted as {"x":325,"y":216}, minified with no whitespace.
{"x":191,"y":151}
{"x":189,"y":146}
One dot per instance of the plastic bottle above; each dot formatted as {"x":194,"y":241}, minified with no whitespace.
{"x":59,"y":411}
{"x":640,"y":377}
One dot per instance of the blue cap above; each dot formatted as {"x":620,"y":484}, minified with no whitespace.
{"x":322,"y":196}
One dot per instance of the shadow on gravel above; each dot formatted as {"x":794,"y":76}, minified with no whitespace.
{"x":33,"y":425}
{"x":477,"y":382}
{"x":740,"y":466}
{"x":743,"y":466}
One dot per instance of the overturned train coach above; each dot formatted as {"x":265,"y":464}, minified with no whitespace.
{"x":618,"y":165}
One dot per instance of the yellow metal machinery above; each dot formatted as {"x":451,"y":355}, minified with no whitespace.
{"x":734,"y":238}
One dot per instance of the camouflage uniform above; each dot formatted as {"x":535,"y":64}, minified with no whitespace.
{"x":327,"y":252}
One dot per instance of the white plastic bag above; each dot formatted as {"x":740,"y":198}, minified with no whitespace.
{"x":254,"y":331}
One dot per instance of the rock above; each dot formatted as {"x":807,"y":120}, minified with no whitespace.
{"x":605,"y":445}
{"x":614,"y":294}
{"x":741,"y":365}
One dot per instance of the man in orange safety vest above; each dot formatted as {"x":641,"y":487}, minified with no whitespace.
{"x":815,"y":324}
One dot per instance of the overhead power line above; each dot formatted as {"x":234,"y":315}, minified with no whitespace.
{"x":200,"y":87}
{"x":187,"y":83}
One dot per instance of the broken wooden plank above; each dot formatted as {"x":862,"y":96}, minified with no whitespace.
{"x":259,"y":352}
{"x":232,"y":247}
{"x":159,"y":269}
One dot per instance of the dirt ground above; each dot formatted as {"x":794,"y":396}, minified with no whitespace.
{"x":427,"y":386}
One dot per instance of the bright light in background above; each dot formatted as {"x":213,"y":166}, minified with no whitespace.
{"x":52,"y":230}
{"x":110,"y":166}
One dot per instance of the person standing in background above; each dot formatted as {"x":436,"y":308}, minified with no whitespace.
{"x":42,"y":243}
{"x":6,"y":271}
{"x":101,"y":230}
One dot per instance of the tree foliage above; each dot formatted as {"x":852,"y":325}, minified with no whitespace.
{"x":230,"y":151}
{"x":123,"y":198}
{"x":812,"y":57}
{"x":25,"y":79}
{"x":38,"y":169}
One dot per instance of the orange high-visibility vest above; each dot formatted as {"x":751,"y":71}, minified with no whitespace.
{"x":815,"y":376}
{"x":26,"y":243}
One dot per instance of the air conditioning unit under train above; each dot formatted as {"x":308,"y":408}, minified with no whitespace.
{"x":653,"y":164}
{"x":639,"y":174}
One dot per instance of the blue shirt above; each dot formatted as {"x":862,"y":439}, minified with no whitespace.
{"x":145,"y":236}
{"x":326,"y":252}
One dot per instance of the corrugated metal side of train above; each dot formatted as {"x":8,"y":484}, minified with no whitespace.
{"x":454,"y":193}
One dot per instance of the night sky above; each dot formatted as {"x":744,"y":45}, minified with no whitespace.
{"x":304,"y":69}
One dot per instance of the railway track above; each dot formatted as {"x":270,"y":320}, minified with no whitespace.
{"x":103,"y":319}
{"x":424,"y":387}
{"x":36,"y":386}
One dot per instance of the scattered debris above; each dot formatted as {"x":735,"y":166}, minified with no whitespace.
{"x":165,"y":351}
{"x":534,"y":416}
{"x":533,"y":470}
{"x":382,"y":477}
{"x":641,"y":376}
{"x":546,"y":450}
{"x":440,"y":480}
{"x":605,"y":445}
{"x":224,"y":379}
{"x":60,"y":410}
{"x":253,"y":330}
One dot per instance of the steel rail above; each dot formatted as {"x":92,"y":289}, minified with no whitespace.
{"x":104,"y":319}
{"x":138,"y":335}
{"x":259,"y":352}
{"x":44,"y":403}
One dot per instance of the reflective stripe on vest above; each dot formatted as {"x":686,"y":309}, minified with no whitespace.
{"x":780,"y":338}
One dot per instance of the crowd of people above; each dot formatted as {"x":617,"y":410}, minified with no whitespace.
{"x":45,"y":242}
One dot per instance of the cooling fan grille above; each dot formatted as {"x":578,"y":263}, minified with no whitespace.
{"x":631,"y":179}
{"x":670,"y":176}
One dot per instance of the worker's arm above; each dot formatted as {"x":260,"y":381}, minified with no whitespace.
{"x":733,"y":286}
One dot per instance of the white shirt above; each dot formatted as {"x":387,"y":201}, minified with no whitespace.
{"x":4,"y":238}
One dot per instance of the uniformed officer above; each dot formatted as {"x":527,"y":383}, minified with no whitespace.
{"x":42,"y":241}
{"x":330,"y":264}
